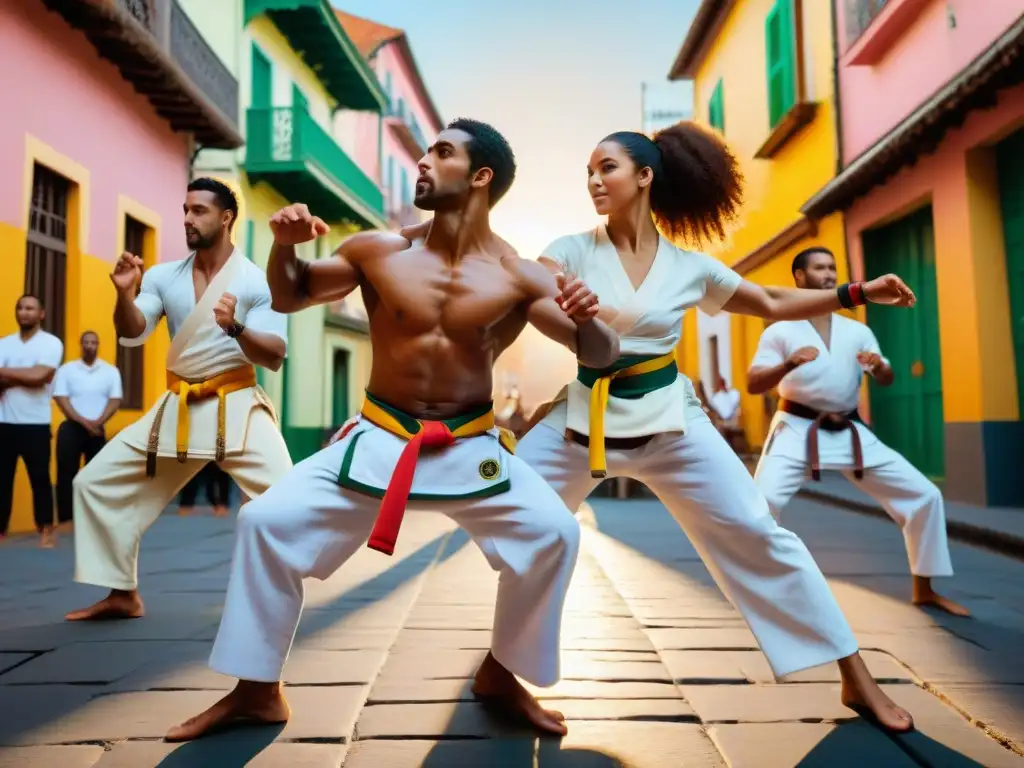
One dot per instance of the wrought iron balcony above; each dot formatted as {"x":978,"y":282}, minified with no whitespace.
{"x":859,"y":15}
{"x":159,"y":51}
{"x":288,"y":149}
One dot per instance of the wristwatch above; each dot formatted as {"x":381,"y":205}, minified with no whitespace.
{"x":236,"y":330}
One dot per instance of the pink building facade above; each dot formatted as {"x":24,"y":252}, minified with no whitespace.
{"x":90,"y":169}
{"x":931,"y":103}
{"x":390,"y":150}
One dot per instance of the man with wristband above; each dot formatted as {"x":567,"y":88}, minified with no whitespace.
{"x":222,"y":325}
{"x":818,"y":365}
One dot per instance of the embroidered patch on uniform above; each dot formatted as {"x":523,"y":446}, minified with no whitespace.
{"x":489,"y":469}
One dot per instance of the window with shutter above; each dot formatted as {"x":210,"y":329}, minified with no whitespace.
{"x":716,"y":109}
{"x":780,"y":45}
{"x":46,"y":246}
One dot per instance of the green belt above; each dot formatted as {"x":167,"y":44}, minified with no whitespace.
{"x":630,"y":387}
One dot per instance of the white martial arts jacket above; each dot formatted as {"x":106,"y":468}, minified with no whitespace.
{"x":648,"y":322}
{"x":829,"y":383}
{"x":200,"y":349}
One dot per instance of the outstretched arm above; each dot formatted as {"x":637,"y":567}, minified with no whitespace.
{"x":564,"y":309}
{"x":295,"y":283}
{"x":774,"y":303}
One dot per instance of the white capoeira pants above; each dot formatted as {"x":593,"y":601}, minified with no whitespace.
{"x":114,"y":501}
{"x":910,"y":498}
{"x":306,"y":525}
{"x":763,"y":569}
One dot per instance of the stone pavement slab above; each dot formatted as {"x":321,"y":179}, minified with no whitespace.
{"x":752,"y":667}
{"x":10,"y":660}
{"x":78,"y":756}
{"x":317,"y":713}
{"x":95,"y":663}
{"x":941,"y":733}
{"x":428,"y":721}
{"x":808,"y":745}
{"x":588,"y":745}
{"x":996,"y":707}
{"x":244,"y":747}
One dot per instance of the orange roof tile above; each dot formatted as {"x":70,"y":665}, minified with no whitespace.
{"x":367,"y":35}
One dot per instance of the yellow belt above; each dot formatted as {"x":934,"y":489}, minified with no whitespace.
{"x":483,"y":423}
{"x":219,"y":386}
{"x":599,"y":404}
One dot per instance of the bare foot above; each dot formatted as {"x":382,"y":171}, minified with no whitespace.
{"x":220,"y":511}
{"x":861,"y":694}
{"x":119,"y":604}
{"x":47,"y":538}
{"x":496,"y":686}
{"x":185,"y":511}
{"x":925,"y":595}
{"x":248,"y":703}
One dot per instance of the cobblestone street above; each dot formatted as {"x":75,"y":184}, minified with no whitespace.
{"x":660,"y":671}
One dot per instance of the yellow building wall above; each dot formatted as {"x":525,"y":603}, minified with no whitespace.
{"x":89,"y":303}
{"x":775,"y":187}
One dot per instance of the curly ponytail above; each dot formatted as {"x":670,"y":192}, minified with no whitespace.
{"x":699,"y":188}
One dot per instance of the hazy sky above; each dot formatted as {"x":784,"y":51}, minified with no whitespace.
{"x":553,"y":78}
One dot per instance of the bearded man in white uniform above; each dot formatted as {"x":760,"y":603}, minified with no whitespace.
{"x":217,"y":305}
{"x":818,"y":366}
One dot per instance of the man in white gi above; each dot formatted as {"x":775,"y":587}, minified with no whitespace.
{"x":441,"y":310}
{"x":818,"y":366}
{"x":88,"y":393}
{"x":217,"y":304}
{"x":29,"y":358}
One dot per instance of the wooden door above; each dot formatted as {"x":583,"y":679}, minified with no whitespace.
{"x":908,"y":415}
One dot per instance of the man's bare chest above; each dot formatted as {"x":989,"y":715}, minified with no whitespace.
{"x":424,"y":293}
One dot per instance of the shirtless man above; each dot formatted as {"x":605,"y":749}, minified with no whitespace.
{"x":441,"y":311}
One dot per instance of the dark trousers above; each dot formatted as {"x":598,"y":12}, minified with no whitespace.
{"x":217,"y":483}
{"x":30,"y":442}
{"x":73,"y":442}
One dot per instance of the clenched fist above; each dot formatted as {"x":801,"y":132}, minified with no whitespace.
{"x":891,"y":290}
{"x":801,"y":356}
{"x":295,"y":224}
{"x":870,"y":361}
{"x":224,"y":311}
{"x":576,"y":299}
{"x":127,"y":273}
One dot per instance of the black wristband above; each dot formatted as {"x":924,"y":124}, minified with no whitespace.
{"x":236,"y":330}
{"x":844,"y":296}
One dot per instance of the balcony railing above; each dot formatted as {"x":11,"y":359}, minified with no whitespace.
{"x":159,"y":51}
{"x":200,"y":63}
{"x":141,"y":10}
{"x":287,"y":140}
{"x":859,"y":15}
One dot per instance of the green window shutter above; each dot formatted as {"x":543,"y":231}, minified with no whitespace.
{"x":262,"y":77}
{"x":716,"y":109}
{"x":780,"y":45}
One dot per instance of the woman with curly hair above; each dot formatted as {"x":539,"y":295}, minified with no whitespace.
{"x":641,"y":419}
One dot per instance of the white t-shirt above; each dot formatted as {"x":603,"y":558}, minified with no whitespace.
{"x":725,"y":403}
{"x":28,"y":405}
{"x":88,"y":387}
